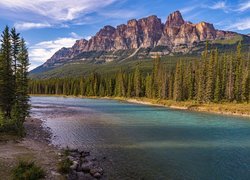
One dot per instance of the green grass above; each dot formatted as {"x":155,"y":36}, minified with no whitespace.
{"x":64,"y":165}
{"x":230,"y":41}
{"x":27,"y":171}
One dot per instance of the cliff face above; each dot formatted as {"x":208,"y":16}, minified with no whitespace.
{"x":148,"y":32}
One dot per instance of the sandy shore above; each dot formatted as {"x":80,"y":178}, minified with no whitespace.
{"x":218,"y":108}
{"x":34,"y":147}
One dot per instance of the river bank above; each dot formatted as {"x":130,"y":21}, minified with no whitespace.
{"x":33,"y":147}
{"x":234,"y":109}
{"x":36,"y":146}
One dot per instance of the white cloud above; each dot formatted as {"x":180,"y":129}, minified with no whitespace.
{"x":88,"y":37}
{"x":240,"y":25}
{"x":42,"y":51}
{"x":120,"y":14}
{"x":76,"y":36}
{"x":33,"y":13}
{"x":186,"y":10}
{"x":244,"y":6}
{"x":30,"y":25}
{"x":220,"y":5}
{"x":62,"y":10}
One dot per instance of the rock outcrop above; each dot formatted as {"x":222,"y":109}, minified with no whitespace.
{"x":176,"y":35}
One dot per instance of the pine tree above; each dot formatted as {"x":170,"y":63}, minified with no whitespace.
{"x":155,"y":76}
{"x":22,"y":80}
{"x":148,"y":84}
{"x":230,"y":84}
{"x":217,"y":88}
{"x":7,"y":89}
{"x":137,"y":82}
{"x":224,"y":77}
{"x":15,"y":40}
{"x":177,"y":94}
{"x":210,"y":77}
{"x":238,"y":74}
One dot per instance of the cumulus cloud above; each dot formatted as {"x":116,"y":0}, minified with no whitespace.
{"x":42,"y":51}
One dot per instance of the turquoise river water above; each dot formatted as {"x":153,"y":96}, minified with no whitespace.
{"x":145,"y":142}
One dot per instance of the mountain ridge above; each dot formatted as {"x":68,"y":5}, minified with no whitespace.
{"x":149,"y":34}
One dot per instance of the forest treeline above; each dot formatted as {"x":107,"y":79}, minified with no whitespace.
{"x":215,"y":77}
{"x":14,"y":98}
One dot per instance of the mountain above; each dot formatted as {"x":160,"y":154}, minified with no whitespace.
{"x":143,"y":38}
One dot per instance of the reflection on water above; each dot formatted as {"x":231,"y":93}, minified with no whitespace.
{"x":150,"y":142}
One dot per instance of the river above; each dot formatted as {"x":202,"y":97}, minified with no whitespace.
{"x":135,"y":141}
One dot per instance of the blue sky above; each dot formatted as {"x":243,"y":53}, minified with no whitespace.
{"x":48,"y":25}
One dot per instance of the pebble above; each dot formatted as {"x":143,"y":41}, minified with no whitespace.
{"x":95,"y":170}
{"x":74,"y":165}
{"x":97,"y":175}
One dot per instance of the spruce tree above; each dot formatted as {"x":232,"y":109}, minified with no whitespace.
{"x":7,"y":89}
{"x":137,"y":82}
{"x":238,"y":74}
{"x":178,"y":82}
{"x":22,"y":80}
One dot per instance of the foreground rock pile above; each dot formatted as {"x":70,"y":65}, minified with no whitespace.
{"x":84,"y":166}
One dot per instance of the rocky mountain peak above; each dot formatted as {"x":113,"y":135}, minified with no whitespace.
{"x":175,"y":36}
{"x":175,"y":19}
{"x":106,"y":31}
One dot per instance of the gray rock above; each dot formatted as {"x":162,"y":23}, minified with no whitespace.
{"x":85,"y":177}
{"x":73,"y":150}
{"x":95,"y":170}
{"x":71,"y":158}
{"x":86,"y":167}
{"x":74,"y":165}
{"x":85,"y":154}
{"x":90,"y":158}
{"x":80,"y":174}
{"x":97,"y":175}
{"x":72,"y":175}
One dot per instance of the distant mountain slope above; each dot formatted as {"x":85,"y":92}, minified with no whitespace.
{"x":143,"y":38}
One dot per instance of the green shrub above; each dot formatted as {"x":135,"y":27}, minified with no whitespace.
{"x":64,"y":165}
{"x":27,"y":171}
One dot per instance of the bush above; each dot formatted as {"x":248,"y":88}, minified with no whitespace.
{"x":27,"y":171}
{"x":64,"y":166}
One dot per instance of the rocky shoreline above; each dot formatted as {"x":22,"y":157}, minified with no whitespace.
{"x":36,"y":147}
{"x":84,"y":166}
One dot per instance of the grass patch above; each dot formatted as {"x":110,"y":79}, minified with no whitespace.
{"x":27,"y":171}
{"x":8,"y":136}
{"x":230,"y":41}
{"x":64,"y":166}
